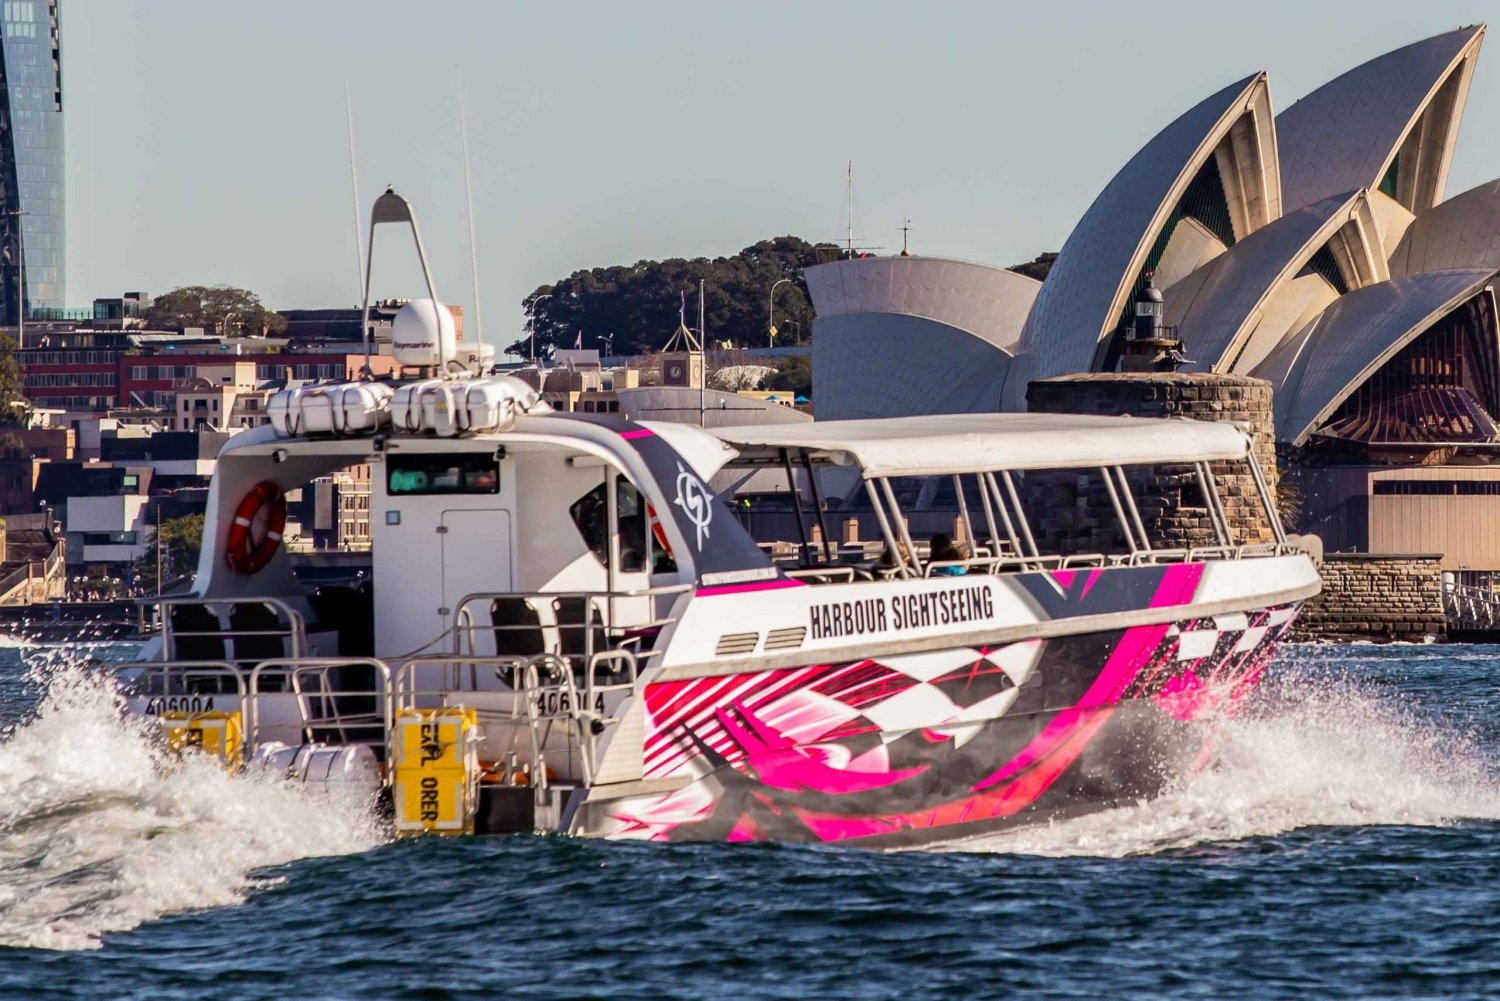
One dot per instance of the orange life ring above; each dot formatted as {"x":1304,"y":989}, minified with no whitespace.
{"x":245,"y":553}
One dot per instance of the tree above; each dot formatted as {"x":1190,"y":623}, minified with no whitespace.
{"x":793,"y":375}
{"x":226,"y":311}
{"x":13,"y":403}
{"x":181,"y":540}
{"x":1038,"y":268}
{"x":638,"y":304}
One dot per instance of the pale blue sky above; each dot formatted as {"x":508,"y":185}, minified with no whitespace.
{"x":206,"y":138}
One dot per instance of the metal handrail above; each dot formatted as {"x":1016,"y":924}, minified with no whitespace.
{"x":465,"y":625}
{"x":293,"y":668}
{"x":204,"y":668}
{"x":296,"y":629}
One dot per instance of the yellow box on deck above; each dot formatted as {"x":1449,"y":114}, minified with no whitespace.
{"x":217,"y":733}
{"x":435,"y":770}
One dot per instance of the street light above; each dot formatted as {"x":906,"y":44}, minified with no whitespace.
{"x":533,"y":323}
{"x":771,"y":314}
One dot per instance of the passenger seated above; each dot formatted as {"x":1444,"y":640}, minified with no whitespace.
{"x":943,"y":550}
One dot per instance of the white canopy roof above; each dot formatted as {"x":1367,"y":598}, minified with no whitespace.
{"x":965,"y":443}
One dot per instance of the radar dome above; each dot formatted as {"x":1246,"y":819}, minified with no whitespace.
{"x":422,"y":336}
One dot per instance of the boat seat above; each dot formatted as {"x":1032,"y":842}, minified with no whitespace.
{"x":196,"y":619}
{"x":518,"y":628}
{"x":570,"y":616}
{"x":253,"y":617}
{"x":350,"y":613}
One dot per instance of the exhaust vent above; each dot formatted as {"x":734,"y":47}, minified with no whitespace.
{"x":785,"y":639}
{"x":736,"y":643}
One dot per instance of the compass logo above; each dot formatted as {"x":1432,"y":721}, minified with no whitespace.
{"x":693,"y":497}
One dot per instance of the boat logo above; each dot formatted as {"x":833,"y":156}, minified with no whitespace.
{"x":693,"y":497}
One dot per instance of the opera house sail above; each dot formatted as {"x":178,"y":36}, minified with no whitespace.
{"x":1315,"y":248}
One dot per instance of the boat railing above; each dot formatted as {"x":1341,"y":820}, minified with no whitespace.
{"x":1139,"y":557}
{"x":290,"y":629}
{"x":328,"y":708}
{"x":572,"y":624}
{"x":176,"y":679}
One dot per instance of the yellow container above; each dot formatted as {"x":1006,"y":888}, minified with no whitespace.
{"x":217,"y":733}
{"x":435,"y":770}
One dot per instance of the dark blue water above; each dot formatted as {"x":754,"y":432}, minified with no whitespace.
{"x":1348,"y":846}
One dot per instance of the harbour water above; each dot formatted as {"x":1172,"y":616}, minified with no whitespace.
{"x":1346,"y":845}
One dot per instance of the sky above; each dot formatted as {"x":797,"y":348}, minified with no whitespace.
{"x":207,"y":141}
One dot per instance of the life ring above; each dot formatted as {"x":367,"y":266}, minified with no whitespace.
{"x":245,"y":553}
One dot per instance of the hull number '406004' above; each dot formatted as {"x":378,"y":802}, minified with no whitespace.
{"x":180,"y":704}
{"x":555,"y":702}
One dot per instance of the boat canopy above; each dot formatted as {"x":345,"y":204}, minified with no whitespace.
{"x":968,"y":443}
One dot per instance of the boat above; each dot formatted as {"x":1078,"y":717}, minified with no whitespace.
{"x":568,"y":628}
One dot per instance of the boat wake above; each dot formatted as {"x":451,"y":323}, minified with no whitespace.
{"x":1331,"y":754}
{"x":99,"y":833}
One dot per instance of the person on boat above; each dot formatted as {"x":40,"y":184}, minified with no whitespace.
{"x":943,"y":550}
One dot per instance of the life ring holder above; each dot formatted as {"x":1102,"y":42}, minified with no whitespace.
{"x":245,"y":555}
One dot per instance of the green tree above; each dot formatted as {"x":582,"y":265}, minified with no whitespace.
{"x":181,"y":540}
{"x":226,"y":311}
{"x":1038,"y":268}
{"x":793,"y":375}
{"x":13,"y":403}
{"x":636,"y":307}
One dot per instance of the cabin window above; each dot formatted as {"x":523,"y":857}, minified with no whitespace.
{"x":590,"y":515}
{"x":442,"y":473}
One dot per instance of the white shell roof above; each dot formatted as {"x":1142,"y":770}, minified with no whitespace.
{"x":1083,"y":294}
{"x":1463,"y":232}
{"x":1343,"y":135}
{"x":935,"y":445}
{"x":681,"y":404}
{"x":987,"y":302}
{"x":1312,"y":372}
{"x":890,"y":365}
{"x":1213,"y":323}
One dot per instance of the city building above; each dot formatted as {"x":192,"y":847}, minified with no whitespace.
{"x":1314,"y":248}
{"x":31,"y":158}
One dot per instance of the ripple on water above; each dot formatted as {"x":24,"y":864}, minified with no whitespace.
{"x":1347,"y":845}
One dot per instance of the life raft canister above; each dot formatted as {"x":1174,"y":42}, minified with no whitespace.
{"x":247,"y":554}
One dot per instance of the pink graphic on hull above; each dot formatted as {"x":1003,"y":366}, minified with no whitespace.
{"x":929,"y":741}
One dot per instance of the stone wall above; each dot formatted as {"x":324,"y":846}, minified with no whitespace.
{"x":1375,"y":596}
{"x":1071,"y":512}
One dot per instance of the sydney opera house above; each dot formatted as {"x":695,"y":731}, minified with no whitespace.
{"x":1315,"y":248}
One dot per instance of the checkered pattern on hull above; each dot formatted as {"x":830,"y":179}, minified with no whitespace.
{"x":799,"y":742}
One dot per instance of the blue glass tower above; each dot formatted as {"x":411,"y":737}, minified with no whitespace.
{"x":31,"y":156}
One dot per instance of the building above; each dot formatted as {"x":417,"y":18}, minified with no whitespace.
{"x":1315,"y":248}
{"x":31,"y":158}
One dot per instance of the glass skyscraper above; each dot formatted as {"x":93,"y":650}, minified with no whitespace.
{"x":31,"y":156}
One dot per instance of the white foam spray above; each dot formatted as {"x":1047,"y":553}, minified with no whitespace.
{"x":97,"y":836}
{"x":1309,"y":754}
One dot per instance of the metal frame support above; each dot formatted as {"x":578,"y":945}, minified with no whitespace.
{"x":1135,"y":512}
{"x":817,"y":498}
{"x":891,"y":543}
{"x":1264,"y":489}
{"x":1114,"y":500}
{"x":1211,"y":498}
{"x":1015,"y":500}
{"x":911,"y":548}
{"x":791,"y":482}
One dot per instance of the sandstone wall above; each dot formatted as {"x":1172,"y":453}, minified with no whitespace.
{"x":1072,"y":513}
{"x":1373,"y":596}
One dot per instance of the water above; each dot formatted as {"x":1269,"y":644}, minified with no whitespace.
{"x":1347,"y":846}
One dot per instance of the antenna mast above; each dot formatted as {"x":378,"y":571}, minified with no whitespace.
{"x":463,"y":131}
{"x":359,"y":258}
{"x":849,"y":208}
